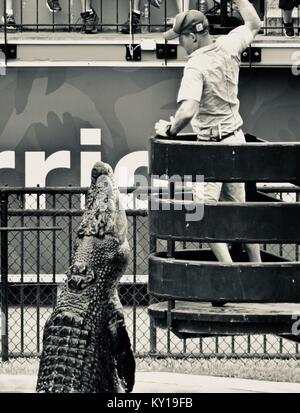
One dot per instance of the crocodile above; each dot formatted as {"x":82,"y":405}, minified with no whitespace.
{"x":86,"y":347}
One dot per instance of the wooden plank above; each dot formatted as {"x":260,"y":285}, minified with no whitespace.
{"x":263,"y":162}
{"x":274,"y":222}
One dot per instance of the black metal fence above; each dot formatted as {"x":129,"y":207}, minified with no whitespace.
{"x":38,"y":227}
{"x":222,"y":15}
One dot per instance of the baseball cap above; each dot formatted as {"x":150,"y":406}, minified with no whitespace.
{"x":191,"y":21}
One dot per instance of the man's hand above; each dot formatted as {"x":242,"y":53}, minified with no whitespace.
{"x":162,"y":126}
{"x":249,"y":14}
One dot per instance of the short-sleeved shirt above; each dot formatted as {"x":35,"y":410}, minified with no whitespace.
{"x":211,"y":78}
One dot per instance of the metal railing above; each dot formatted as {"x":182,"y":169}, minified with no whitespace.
{"x":38,"y":228}
{"x":222,"y":13}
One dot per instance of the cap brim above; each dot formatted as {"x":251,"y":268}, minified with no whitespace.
{"x":170,"y":35}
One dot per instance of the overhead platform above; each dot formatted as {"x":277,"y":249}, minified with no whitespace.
{"x":111,"y":49}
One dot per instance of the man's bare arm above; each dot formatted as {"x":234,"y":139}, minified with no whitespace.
{"x":184,"y":114}
{"x":249,"y":15}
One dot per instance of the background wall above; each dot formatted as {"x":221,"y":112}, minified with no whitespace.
{"x":44,"y":110}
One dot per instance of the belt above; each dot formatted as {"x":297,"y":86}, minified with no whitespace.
{"x":217,"y":138}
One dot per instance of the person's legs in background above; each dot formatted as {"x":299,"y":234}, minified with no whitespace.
{"x":135,"y":18}
{"x":287,"y":7}
{"x":10,"y":20}
{"x":86,"y":5}
{"x":183,"y":5}
{"x":90,"y":19}
{"x":53,"y":6}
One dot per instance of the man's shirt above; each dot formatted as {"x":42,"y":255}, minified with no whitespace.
{"x":211,"y":78}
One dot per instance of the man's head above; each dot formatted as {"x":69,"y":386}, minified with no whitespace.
{"x":192,"y":28}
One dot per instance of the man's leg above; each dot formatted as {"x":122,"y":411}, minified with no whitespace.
{"x":135,"y":19}
{"x":85,"y":5}
{"x":287,"y":7}
{"x":209,"y":193}
{"x":221,"y":251}
{"x":90,"y":19}
{"x":9,"y":7}
{"x":10,"y":20}
{"x":235,"y":192}
{"x":136,"y":6}
{"x":253,"y":251}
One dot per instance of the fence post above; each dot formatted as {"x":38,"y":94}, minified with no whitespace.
{"x":153,"y":333}
{"x":4,"y":274}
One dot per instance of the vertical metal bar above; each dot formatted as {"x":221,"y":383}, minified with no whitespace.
{"x":165,"y":28}
{"x":184,"y":345}
{"x":265,"y":342}
{"x":54,"y":287}
{"x":37,"y":14}
{"x":38,"y":277}
{"x":22,"y":273}
{"x":134,"y":282}
{"x":233,"y":344}
{"x":171,"y":306}
{"x":217,"y":344}
{"x":280,"y":345}
{"x":69,"y":14}
{"x":21,"y":15}
{"x":248,"y":344}
{"x":152,"y":332}
{"x":266,"y":17}
{"x":54,"y":239}
{"x":297,"y":245}
{"x":171,"y":248}
{"x":117,"y":15}
{"x":101,"y":14}
{"x":70,"y":229}
{"x":53,"y":22}
{"x":5,"y":32}
{"x":201,"y":345}
{"x":149,"y":17}
{"x":280,"y":245}
{"x":4,"y":276}
{"x":170,"y":242}
{"x":170,"y":253}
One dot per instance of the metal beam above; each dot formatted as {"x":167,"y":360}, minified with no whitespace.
{"x":263,"y":161}
{"x":196,"y":276}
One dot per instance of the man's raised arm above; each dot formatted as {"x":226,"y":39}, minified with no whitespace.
{"x":249,"y":15}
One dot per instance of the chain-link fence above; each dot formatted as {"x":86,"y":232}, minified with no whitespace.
{"x":38,"y":227}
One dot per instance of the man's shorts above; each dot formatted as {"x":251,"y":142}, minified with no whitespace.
{"x":288,"y":4}
{"x":212,"y":192}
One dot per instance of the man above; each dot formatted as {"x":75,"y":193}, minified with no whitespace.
{"x":208,"y":96}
